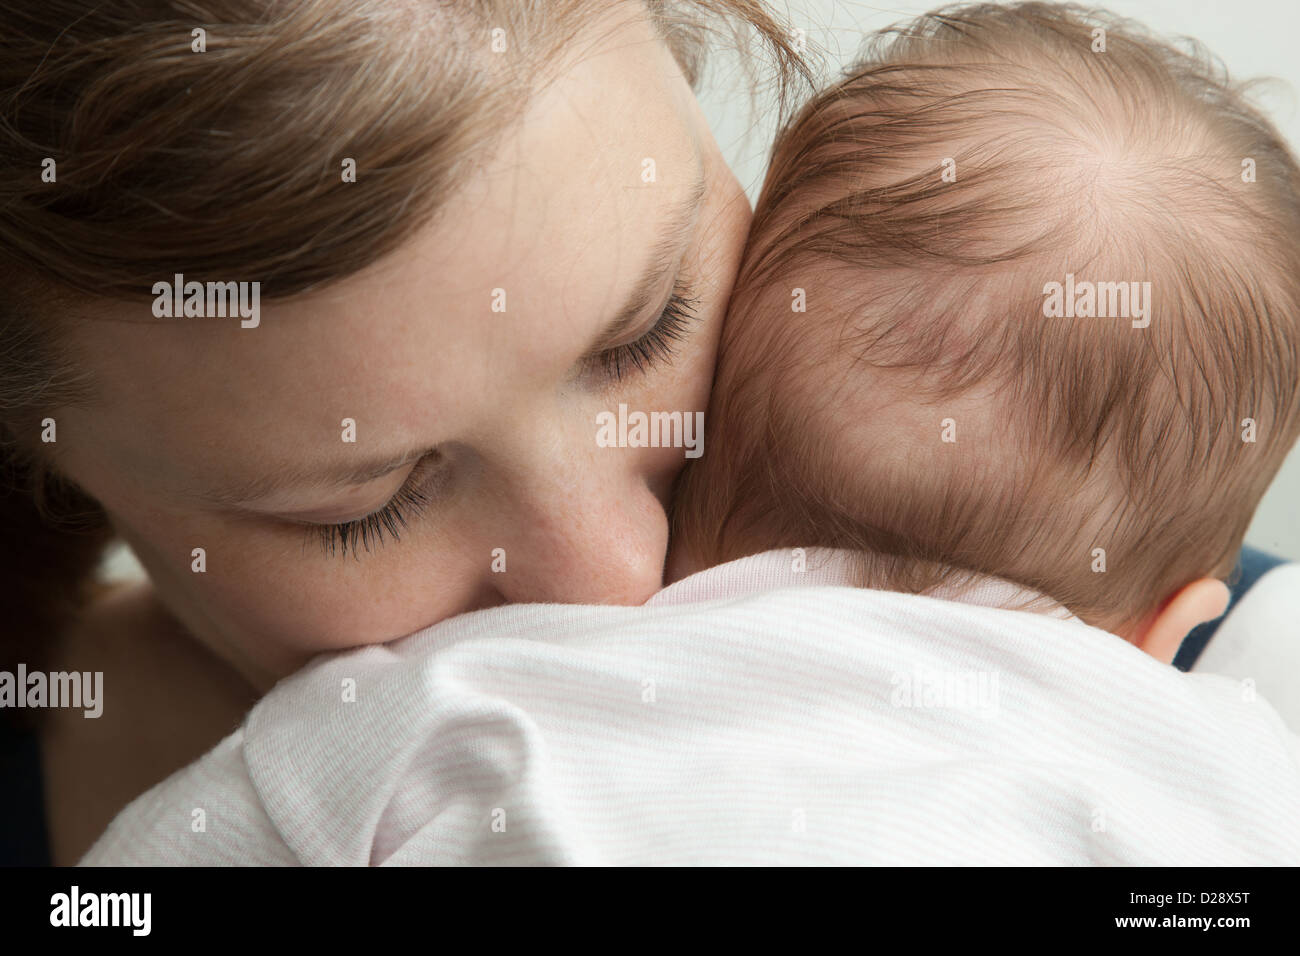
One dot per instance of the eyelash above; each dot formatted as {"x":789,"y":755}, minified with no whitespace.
{"x":409,"y":502}
{"x":656,"y":346}
{"x":651,"y":349}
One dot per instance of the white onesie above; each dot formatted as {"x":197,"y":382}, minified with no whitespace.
{"x":750,"y":714}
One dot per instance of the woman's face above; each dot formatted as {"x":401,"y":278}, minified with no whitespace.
{"x":207,"y":435}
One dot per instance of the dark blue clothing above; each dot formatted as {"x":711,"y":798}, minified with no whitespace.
{"x":1251,"y":566}
{"x":23,"y":832}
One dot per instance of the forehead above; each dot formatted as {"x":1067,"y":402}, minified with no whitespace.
{"x":557,"y":224}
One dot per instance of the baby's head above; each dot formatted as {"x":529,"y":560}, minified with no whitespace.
{"x":911,"y":368}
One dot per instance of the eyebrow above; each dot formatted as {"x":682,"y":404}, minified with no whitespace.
{"x":665,"y":255}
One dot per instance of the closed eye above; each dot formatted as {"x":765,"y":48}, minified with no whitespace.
{"x":422,"y":485}
{"x":656,"y":346}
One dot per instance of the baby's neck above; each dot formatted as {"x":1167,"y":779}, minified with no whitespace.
{"x":682,"y":562}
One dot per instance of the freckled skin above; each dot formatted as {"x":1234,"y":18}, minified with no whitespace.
{"x":410,"y":348}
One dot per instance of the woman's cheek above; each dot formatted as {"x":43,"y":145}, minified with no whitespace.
{"x":382,"y":596}
{"x":275,"y":593}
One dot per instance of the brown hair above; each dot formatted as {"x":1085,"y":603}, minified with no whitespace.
{"x":227,"y":162}
{"x":925,"y":301}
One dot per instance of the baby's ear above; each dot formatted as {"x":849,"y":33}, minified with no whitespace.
{"x":1203,"y":600}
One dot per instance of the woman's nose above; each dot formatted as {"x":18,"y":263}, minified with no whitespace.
{"x":587,"y":530}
